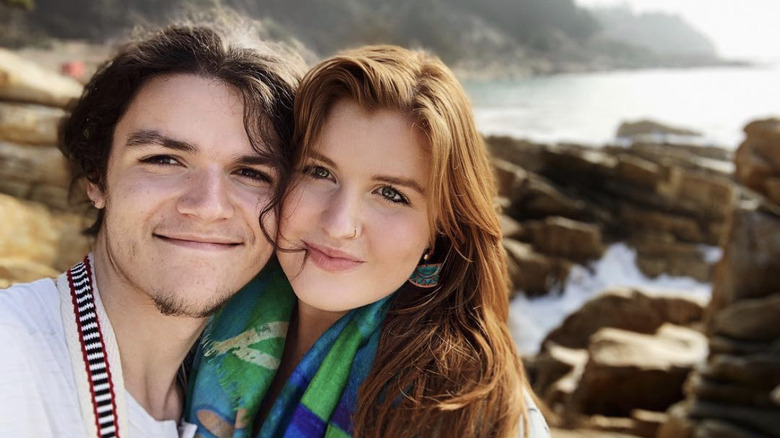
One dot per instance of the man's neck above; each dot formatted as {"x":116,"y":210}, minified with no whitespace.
{"x":152,"y":346}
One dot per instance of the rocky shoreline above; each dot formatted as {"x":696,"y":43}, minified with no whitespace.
{"x":629,"y":362}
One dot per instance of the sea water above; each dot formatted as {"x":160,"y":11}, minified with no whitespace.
{"x":588,"y":108}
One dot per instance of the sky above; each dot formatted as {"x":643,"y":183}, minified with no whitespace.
{"x":740,"y":29}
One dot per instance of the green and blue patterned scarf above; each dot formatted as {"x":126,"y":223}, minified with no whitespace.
{"x":240,"y":353}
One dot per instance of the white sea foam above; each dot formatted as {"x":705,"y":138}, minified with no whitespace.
{"x":531,"y":319}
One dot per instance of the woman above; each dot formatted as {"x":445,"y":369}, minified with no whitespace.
{"x":391,"y":243}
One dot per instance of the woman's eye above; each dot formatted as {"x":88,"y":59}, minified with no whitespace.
{"x":392,"y":195}
{"x":317,"y":172}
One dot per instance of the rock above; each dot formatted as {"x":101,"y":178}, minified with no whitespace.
{"x":656,"y":257}
{"x":762,"y":421}
{"x":722,"y":429}
{"x":638,"y":172}
{"x":627,"y":309}
{"x":750,"y":319}
{"x":677,"y":424}
{"x":723,"y":345}
{"x":15,"y":270}
{"x":537,"y":198}
{"x":620,"y":425}
{"x":510,"y":228}
{"x":772,"y":189}
{"x":25,"y":81}
{"x":776,"y":396}
{"x":33,"y":165}
{"x":647,"y":423}
{"x":533,"y":273}
{"x":573,"y":164}
{"x":32,"y":233}
{"x":684,"y":228}
{"x":508,"y":176}
{"x":586,"y":433}
{"x":628,"y":370}
{"x":751,"y":258}
{"x":553,"y":365}
{"x":561,"y":237}
{"x":716,"y":391}
{"x":29,"y":124}
{"x":523,"y":153}
{"x":651,"y":128}
{"x":757,"y":371}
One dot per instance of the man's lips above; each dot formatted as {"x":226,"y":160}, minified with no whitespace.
{"x":332,"y":260}
{"x":200,"y":242}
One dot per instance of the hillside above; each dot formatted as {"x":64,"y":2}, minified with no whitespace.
{"x":490,"y":39}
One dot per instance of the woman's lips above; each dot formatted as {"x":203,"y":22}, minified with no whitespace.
{"x":332,"y":260}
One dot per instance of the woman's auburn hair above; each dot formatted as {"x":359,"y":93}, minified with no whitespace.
{"x":446,"y":364}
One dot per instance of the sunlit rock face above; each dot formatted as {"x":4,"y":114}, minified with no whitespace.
{"x":41,"y":229}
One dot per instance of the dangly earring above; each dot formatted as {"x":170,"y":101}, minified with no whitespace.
{"x":426,"y":275}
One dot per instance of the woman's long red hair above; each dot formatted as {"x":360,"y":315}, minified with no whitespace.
{"x":446,"y":364}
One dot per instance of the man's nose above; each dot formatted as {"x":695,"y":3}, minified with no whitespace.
{"x":207,"y":196}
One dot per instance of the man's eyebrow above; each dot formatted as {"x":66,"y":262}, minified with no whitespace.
{"x":145,"y":137}
{"x":255,"y":160}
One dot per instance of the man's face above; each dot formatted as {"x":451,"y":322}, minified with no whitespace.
{"x":184,"y":191}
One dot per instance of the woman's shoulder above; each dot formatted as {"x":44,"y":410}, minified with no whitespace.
{"x":537,"y":425}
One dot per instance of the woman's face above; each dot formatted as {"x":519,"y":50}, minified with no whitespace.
{"x":359,"y":209}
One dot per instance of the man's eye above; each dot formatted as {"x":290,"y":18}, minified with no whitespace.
{"x":162,"y":160}
{"x":255,"y":175}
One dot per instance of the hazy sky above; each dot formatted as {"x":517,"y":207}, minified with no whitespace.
{"x":743,"y":29}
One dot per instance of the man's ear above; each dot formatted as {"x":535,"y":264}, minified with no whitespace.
{"x":96,"y":195}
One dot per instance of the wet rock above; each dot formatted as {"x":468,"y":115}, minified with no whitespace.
{"x":25,"y":81}
{"x":626,"y":309}
{"x":645,"y":128}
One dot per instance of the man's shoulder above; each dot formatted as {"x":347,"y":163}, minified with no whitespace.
{"x":33,"y":306}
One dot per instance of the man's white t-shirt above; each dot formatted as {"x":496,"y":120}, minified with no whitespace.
{"x":38,"y":396}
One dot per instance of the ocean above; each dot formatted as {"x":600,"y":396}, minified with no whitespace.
{"x":587,"y":108}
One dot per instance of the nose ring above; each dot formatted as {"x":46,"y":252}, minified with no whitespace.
{"x":354,"y":234}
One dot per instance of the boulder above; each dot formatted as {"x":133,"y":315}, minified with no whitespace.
{"x":14,"y":270}
{"x":566,"y":238}
{"x":628,"y":370}
{"x":751,"y":258}
{"x":764,"y":422}
{"x":751,"y":319}
{"x":650,"y":128}
{"x":684,"y":228}
{"x":22,"y":80}
{"x":677,"y":424}
{"x":657,"y":256}
{"x":29,"y":124}
{"x":33,"y":165}
{"x":534,"y":273}
{"x":508,"y":176}
{"x":714,"y":390}
{"x":510,"y":228}
{"x":722,"y":429}
{"x":558,"y":370}
{"x":626,"y":309}
{"x":638,"y":172}
{"x":761,"y":371}
{"x":32,"y":233}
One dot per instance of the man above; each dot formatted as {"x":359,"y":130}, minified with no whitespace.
{"x":181,"y":140}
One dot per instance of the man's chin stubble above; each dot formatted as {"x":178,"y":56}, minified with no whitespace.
{"x":170,"y":305}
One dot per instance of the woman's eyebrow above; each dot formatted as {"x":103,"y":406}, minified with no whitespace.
{"x":404,"y":182}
